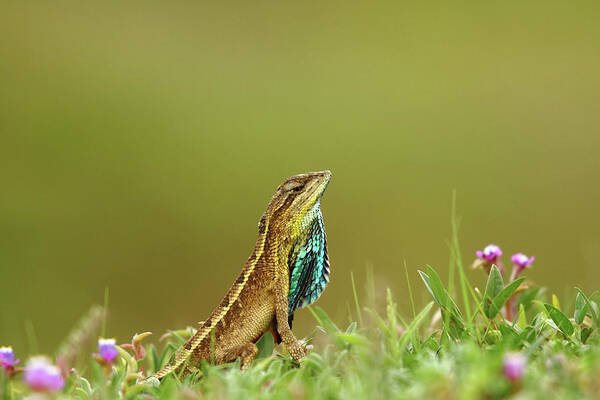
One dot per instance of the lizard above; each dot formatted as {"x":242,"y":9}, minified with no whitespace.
{"x":288,"y":269}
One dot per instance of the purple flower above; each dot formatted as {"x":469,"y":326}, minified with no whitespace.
{"x":107,"y":349}
{"x":488,"y":257}
{"x":42,"y":376}
{"x":7,"y":358}
{"x":490,"y":253}
{"x":521,"y":260}
{"x":513,"y":366}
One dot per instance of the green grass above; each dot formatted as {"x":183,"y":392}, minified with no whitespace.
{"x":443,"y":351}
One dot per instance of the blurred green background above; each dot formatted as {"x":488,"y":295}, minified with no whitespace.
{"x":141,"y":142}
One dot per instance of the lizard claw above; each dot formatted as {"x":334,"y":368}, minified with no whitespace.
{"x":307,"y":347}
{"x":299,"y":350}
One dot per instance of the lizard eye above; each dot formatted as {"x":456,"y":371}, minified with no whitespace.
{"x":293,"y":186}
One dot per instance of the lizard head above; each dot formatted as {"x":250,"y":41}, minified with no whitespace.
{"x":294,"y":201}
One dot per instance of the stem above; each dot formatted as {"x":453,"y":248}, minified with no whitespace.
{"x":509,"y":308}
{"x":104,"y":315}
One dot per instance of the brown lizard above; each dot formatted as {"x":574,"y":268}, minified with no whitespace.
{"x":288,"y":269}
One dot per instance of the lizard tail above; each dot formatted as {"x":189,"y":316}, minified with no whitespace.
{"x":183,"y":353}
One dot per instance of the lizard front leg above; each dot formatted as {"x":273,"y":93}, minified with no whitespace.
{"x":295,"y":347}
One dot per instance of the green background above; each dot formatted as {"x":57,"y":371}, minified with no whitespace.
{"x":141,"y":141}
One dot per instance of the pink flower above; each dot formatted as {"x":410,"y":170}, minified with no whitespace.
{"x":42,"y":376}
{"x":488,"y":257}
{"x":521,"y":260}
{"x":490,"y":253}
{"x":107,"y":349}
{"x":7,"y":358}
{"x":513,"y":366}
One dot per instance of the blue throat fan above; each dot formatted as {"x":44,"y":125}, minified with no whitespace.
{"x":308,"y":263}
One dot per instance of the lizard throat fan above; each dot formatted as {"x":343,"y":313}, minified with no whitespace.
{"x":308,"y":261}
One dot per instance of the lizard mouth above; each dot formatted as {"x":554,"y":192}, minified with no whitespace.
{"x":325,"y":177}
{"x":323,"y":182}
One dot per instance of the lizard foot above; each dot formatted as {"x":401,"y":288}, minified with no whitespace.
{"x":298,"y":350}
{"x":246,"y":353}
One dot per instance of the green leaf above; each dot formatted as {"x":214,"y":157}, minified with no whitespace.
{"x":493,"y":336}
{"x":116,"y":383}
{"x":98,"y":380}
{"x":585,"y":334}
{"x":265,"y":345}
{"x":502,"y":297}
{"x":128,"y":360}
{"x":580,"y":308}
{"x":438,"y":287}
{"x":385,"y":329}
{"x":97,"y":374}
{"x":591,"y":308}
{"x":594,"y":305}
{"x":71,"y":383}
{"x":560,"y":320}
{"x":168,"y":387}
{"x":431,"y":343}
{"x":494,"y":286}
{"x":414,"y":325}
{"x":314,"y":363}
{"x":180,"y":336}
{"x":134,"y":391}
{"x":537,"y":343}
{"x":510,"y":336}
{"x":86,"y":386}
{"x":352,"y":327}
{"x":445,"y":340}
{"x":527,"y":296}
{"x":426,"y":280}
{"x":495,"y":283}
{"x":442,"y":298}
{"x":455,"y":330}
{"x":155,"y":358}
{"x":353,"y":339}
{"x":323,"y":319}
{"x":528,"y":335}
{"x":81,"y":394}
{"x":440,"y":294}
